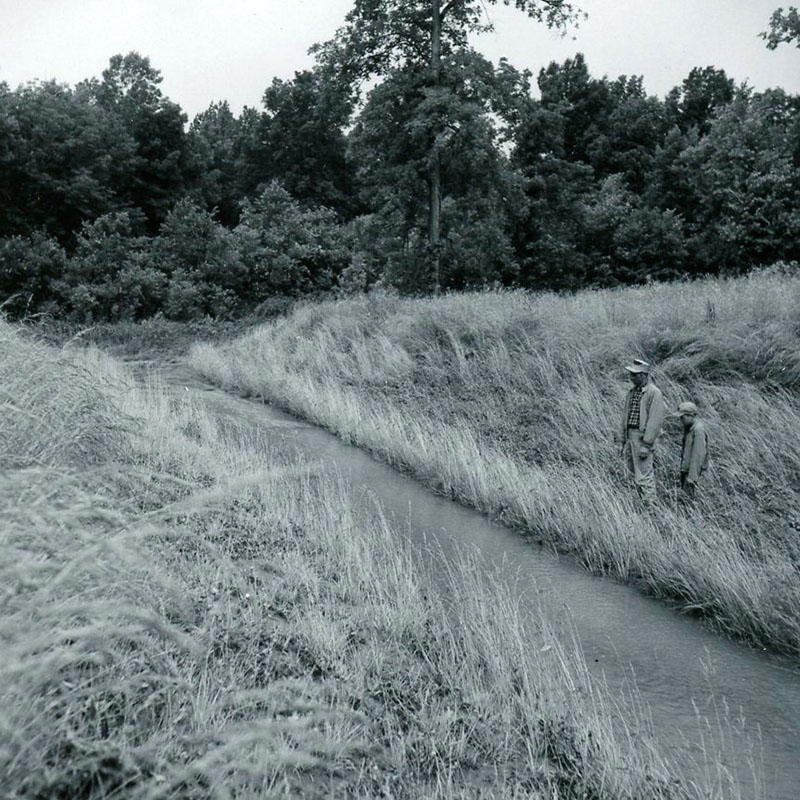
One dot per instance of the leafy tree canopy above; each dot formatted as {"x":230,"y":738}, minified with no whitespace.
{"x":60,"y":156}
{"x":303,"y":138}
{"x":155,"y":180}
{"x":216,"y":144}
{"x":783,"y":27}
{"x":701,"y":95}
{"x":380,"y":35}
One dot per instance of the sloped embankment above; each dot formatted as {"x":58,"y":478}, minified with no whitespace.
{"x":187,"y":613}
{"x":509,"y":402}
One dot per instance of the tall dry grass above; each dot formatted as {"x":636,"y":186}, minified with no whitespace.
{"x":187,"y":613}
{"x":510,"y":401}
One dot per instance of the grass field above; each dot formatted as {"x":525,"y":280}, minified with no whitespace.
{"x":509,"y":402}
{"x":187,"y":613}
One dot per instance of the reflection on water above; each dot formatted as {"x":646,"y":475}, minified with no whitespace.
{"x":688,"y":677}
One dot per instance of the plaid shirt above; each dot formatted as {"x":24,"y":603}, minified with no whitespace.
{"x":633,"y":411}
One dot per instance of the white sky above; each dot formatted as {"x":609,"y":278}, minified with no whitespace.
{"x":209,"y":50}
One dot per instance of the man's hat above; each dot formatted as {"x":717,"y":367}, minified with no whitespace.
{"x":638,"y":366}
{"x":686,"y":407}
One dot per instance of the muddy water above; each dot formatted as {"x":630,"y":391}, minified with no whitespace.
{"x":687,"y":676}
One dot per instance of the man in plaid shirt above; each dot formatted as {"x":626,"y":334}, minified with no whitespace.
{"x":642,"y":419}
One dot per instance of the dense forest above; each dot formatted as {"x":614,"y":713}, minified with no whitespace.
{"x":404,"y":158}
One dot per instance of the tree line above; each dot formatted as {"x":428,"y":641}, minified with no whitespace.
{"x":403,"y":158}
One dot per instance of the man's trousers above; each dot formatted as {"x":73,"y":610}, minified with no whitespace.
{"x":642,"y":468}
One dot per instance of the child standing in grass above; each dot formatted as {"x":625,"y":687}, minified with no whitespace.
{"x":694,"y":450}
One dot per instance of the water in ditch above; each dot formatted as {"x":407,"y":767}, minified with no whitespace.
{"x":705,"y":693}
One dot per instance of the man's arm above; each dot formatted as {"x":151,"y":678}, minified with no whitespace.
{"x":656,"y":414}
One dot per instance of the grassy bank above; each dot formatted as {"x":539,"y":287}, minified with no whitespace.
{"x":150,"y":339}
{"x":188,"y":613}
{"x":509,"y":402}
{"x":153,"y":339}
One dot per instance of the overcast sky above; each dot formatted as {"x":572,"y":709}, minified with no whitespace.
{"x":209,"y":50}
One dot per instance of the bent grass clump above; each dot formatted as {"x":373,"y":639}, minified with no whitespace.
{"x":189,"y":613}
{"x":509,"y":402}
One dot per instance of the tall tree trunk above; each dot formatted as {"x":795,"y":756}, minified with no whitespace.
{"x":434,"y":167}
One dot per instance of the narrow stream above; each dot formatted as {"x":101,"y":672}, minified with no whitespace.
{"x":683,"y":672}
